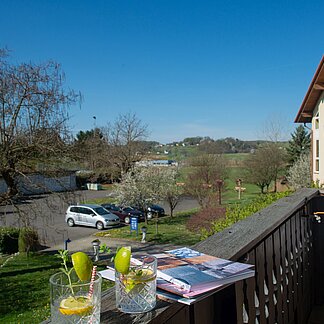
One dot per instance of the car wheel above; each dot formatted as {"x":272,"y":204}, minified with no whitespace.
{"x":149,"y":215}
{"x":127,"y":220}
{"x":100,"y":225}
{"x":70,"y":222}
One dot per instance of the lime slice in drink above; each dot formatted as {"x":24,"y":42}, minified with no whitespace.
{"x":137,"y":278}
{"x":82,"y":265}
{"x":75,"y":306}
{"x":122,"y":259}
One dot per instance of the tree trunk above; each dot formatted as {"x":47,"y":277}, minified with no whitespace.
{"x":9,"y":179}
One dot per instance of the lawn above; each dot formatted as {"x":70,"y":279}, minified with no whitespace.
{"x":170,"y":230}
{"x":24,"y":281}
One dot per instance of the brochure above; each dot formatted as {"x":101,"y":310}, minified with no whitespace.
{"x":200,"y":271}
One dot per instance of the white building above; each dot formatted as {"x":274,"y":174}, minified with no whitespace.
{"x":312,"y":111}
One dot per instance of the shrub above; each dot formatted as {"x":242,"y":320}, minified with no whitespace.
{"x":28,"y":240}
{"x":204,"y":218}
{"x":235,"y":213}
{"x":299,"y":174}
{"x":9,"y":240}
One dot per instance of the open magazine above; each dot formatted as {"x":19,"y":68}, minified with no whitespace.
{"x":187,"y":276}
{"x":200,"y":271}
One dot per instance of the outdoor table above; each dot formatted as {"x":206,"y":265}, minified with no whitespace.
{"x":110,"y":314}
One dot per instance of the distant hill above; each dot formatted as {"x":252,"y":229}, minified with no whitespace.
{"x":192,"y":145}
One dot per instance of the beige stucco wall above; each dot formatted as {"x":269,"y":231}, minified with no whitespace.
{"x":318,"y":134}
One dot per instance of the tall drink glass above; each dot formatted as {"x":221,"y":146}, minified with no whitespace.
{"x":76,"y":303}
{"x":136,"y":291}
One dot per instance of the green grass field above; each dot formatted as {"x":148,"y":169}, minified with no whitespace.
{"x":170,"y":230}
{"x":25,"y":292}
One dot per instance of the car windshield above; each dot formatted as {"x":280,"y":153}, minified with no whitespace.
{"x":100,"y":211}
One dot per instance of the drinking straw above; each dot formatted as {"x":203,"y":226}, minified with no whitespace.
{"x":93,"y":275}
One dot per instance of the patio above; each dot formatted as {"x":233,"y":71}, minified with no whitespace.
{"x":284,"y":242}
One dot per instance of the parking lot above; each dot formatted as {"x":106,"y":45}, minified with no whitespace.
{"x":47,"y":214}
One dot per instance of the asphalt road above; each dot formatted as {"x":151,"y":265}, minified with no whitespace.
{"x":46,"y":213}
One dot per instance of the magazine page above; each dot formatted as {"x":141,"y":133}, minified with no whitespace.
{"x":201,"y":271}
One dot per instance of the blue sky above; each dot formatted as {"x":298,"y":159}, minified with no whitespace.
{"x":186,"y":68}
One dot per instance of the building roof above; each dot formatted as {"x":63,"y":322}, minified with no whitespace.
{"x":314,"y":91}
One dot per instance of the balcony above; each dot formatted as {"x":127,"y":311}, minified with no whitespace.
{"x":285,"y":242}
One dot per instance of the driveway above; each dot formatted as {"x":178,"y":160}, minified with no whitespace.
{"x":46,"y":214}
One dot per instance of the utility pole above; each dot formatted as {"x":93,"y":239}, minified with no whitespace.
{"x":94,"y":141}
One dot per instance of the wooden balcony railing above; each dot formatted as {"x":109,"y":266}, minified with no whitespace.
{"x":283,"y":241}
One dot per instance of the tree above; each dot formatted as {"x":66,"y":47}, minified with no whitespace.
{"x":264,"y":165}
{"x":90,"y":147}
{"x":125,"y":139}
{"x":144,"y":186}
{"x":171,"y":190}
{"x":299,"y":174}
{"x":299,"y":144}
{"x":33,"y":115}
{"x":205,"y":171}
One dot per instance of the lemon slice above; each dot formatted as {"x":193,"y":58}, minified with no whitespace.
{"x":75,"y":306}
{"x":122,"y":260}
{"x":82,"y":265}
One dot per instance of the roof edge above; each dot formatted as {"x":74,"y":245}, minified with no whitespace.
{"x":299,"y":116}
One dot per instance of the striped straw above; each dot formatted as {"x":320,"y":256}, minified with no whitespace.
{"x":93,"y":275}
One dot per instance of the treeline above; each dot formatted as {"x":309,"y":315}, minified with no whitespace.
{"x":219,"y":146}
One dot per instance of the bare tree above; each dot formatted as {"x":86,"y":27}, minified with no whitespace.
{"x":264,"y":165}
{"x":33,"y":114}
{"x":205,"y":171}
{"x":124,"y":138}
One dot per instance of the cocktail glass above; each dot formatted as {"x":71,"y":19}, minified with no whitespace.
{"x":136,"y":291}
{"x":78,"y":302}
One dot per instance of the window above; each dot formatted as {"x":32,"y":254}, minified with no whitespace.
{"x":74,"y":209}
{"x":85,"y":211}
{"x":316,"y":121}
{"x":317,"y":156}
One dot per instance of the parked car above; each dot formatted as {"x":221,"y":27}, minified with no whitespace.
{"x":153,"y":210}
{"x":90,"y":215}
{"x":125,"y":213}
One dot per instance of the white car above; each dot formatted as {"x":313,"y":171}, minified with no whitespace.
{"x":90,"y":215}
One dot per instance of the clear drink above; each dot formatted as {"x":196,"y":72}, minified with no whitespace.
{"x":74,"y":304}
{"x":136,"y":291}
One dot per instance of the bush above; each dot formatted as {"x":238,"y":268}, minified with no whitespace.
{"x":235,"y":213}
{"x":28,"y":240}
{"x":9,"y":240}
{"x":204,"y":218}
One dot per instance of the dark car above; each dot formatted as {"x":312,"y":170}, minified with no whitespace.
{"x":153,"y":210}
{"x":125,"y":213}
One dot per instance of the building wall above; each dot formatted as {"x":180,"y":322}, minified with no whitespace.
{"x":38,"y":184}
{"x":318,"y":147}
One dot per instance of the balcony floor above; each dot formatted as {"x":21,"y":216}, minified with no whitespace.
{"x":317,"y":315}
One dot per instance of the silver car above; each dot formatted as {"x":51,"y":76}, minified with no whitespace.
{"x":90,"y":215}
